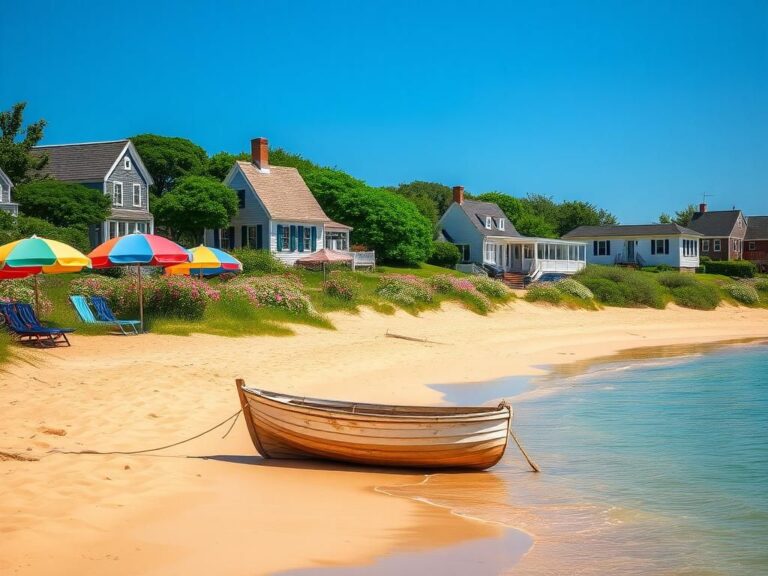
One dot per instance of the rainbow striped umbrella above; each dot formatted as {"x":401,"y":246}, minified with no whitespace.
{"x":207,"y":262}
{"x":34,"y":255}
{"x":138,"y":250}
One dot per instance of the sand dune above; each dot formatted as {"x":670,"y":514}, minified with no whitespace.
{"x":212,"y":506}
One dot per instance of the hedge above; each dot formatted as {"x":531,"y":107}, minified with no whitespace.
{"x":733,"y":268}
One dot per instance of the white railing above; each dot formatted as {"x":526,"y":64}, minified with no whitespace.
{"x":563,"y":266}
{"x":471,"y":268}
{"x":362,"y":259}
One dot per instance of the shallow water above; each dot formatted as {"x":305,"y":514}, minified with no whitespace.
{"x":652,"y":467}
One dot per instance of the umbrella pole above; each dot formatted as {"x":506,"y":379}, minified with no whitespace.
{"x":141,"y":299}
{"x":37,"y":296}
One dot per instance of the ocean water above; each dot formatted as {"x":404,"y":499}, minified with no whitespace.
{"x":649,"y":467}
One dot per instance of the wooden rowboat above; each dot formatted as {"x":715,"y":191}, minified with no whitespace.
{"x":285,"y":426}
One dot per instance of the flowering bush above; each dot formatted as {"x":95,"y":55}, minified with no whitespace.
{"x":489,"y":287}
{"x":574,"y":288}
{"x":272,"y":291}
{"x":762,"y":284}
{"x":341,"y":285}
{"x":93,"y":286}
{"x":23,"y":291}
{"x":462,"y":287}
{"x":743,"y":293}
{"x":544,"y":294}
{"x":404,"y":289}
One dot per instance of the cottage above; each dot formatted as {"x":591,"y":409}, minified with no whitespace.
{"x":722,"y":232}
{"x":485,"y":236}
{"x":114,"y":167}
{"x":640,"y":245}
{"x":5,"y":195}
{"x":756,"y":241}
{"x":277,"y":211}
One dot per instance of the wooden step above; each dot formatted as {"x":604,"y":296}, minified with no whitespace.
{"x":513,"y":280}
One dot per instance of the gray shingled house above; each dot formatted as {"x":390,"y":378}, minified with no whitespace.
{"x":114,"y":167}
{"x":6,"y":205}
{"x":722,"y":231}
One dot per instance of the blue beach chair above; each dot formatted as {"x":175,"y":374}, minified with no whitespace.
{"x":86,"y":315}
{"x":104,"y":314}
{"x":22,"y":321}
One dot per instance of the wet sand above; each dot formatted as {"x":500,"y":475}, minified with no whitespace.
{"x":212,"y":505}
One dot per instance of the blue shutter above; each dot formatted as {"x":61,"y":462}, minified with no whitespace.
{"x":594,"y":248}
{"x":279,"y":237}
{"x":666,"y":246}
{"x":314,"y":238}
{"x":259,"y":236}
{"x":653,"y":246}
{"x":293,"y":238}
{"x":301,"y":238}
{"x":243,"y":236}
{"x":216,"y":237}
{"x":608,"y":247}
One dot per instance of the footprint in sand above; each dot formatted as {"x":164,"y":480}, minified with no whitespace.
{"x":53,"y":431}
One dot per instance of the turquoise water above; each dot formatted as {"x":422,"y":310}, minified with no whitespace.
{"x":660,"y":467}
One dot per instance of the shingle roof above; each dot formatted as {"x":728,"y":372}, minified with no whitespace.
{"x":715,"y":223}
{"x":477,"y":213}
{"x":80,"y":162}
{"x":757,"y":228}
{"x":630,"y":230}
{"x":284,"y":193}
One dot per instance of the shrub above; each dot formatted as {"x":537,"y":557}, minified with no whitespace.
{"x":93,"y":285}
{"x":23,"y":291}
{"x":697,"y":295}
{"x":281,"y":292}
{"x":676,"y":280}
{"x":734,"y":268}
{"x":574,"y":288}
{"x":444,"y":254}
{"x":259,"y":261}
{"x":491,"y":288}
{"x":178,"y":296}
{"x":341,"y":285}
{"x":404,"y":289}
{"x":463,"y":288}
{"x":607,"y":291}
{"x":761,"y":284}
{"x":743,"y":293}
{"x":632,"y":288}
{"x":544,"y":293}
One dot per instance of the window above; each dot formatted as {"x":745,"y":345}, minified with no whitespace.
{"x":241,"y":198}
{"x":752,"y":246}
{"x":582,"y":253}
{"x":137,"y":194}
{"x":127,"y":163}
{"x":307,"y":239}
{"x":601,"y":248}
{"x":122,"y":228}
{"x":286,"y":238}
{"x":490,"y":252}
{"x":541,"y":251}
{"x":227,"y":238}
{"x":117,"y":194}
{"x":488,"y":222}
{"x":705,"y":245}
{"x":142,"y":227}
{"x":501,"y":223}
{"x":252,"y":237}
{"x":735,"y":244}
{"x":528,"y":251}
{"x":718,"y":246}
{"x":112,"y":229}
{"x":5,"y":195}
{"x":464,"y":249}
{"x":660,"y":246}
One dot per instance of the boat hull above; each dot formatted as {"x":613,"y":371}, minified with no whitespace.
{"x":284,"y":426}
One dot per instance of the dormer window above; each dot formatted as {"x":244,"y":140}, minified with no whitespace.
{"x":501,"y":223}
{"x":489,"y":222}
{"x":127,"y":163}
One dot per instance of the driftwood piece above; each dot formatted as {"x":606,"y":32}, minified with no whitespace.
{"x":411,"y":338}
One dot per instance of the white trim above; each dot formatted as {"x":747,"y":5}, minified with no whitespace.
{"x":488,"y":223}
{"x":705,"y":244}
{"x":751,"y":246}
{"x":717,"y":245}
{"x":137,"y":162}
{"x":133,"y":194}
{"x":228,"y":180}
{"x":122,"y":193}
{"x":127,"y":163}
{"x":79,"y":143}
{"x":501,"y":223}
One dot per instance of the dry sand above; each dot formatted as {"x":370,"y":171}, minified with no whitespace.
{"x":225,"y":511}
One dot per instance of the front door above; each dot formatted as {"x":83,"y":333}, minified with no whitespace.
{"x":630,"y":250}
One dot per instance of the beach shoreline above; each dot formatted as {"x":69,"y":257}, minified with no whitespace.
{"x":85,"y":514}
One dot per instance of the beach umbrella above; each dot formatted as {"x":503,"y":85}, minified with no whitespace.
{"x":33,"y":256}
{"x":206,"y":261}
{"x":138,"y":250}
{"x":322,"y":258}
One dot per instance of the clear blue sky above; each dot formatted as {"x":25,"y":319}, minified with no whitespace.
{"x":636,"y":106}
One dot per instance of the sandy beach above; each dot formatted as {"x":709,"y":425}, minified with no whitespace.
{"x":212,"y":506}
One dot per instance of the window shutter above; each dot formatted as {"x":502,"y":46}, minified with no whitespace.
{"x":594,"y":248}
{"x":243,"y":236}
{"x":666,"y":246}
{"x":301,"y":238}
{"x":293,"y":238}
{"x":216,"y":237}
{"x":653,"y":246}
{"x":279,"y":237}
{"x":231,"y":237}
{"x":259,"y":236}
{"x":608,"y":247}
{"x":314,"y":238}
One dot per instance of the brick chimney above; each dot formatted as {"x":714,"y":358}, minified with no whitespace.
{"x":703,"y":207}
{"x":260,"y":153}
{"x":458,"y":194}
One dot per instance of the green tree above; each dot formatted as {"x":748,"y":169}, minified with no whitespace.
{"x":219,"y":165}
{"x":63,"y":203}
{"x":15,"y":157}
{"x":194,"y":204}
{"x":520,"y":215}
{"x":169,"y":159}
{"x":16,"y":228}
{"x":431,"y":198}
{"x":572,"y":214}
{"x":682,"y":217}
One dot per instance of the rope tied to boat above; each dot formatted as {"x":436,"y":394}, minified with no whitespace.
{"x":531,"y":463}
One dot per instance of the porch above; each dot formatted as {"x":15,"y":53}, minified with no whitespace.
{"x":534,"y":256}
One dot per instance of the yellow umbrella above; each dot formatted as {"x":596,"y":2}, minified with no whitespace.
{"x":207,"y":261}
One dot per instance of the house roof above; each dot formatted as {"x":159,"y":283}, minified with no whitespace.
{"x":630,"y":230}
{"x":89,"y":162}
{"x":715,"y":223}
{"x":757,"y":228}
{"x":477,"y":213}
{"x":128,"y":214}
{"x":283,"y":192}
{"x":336,"y":226}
